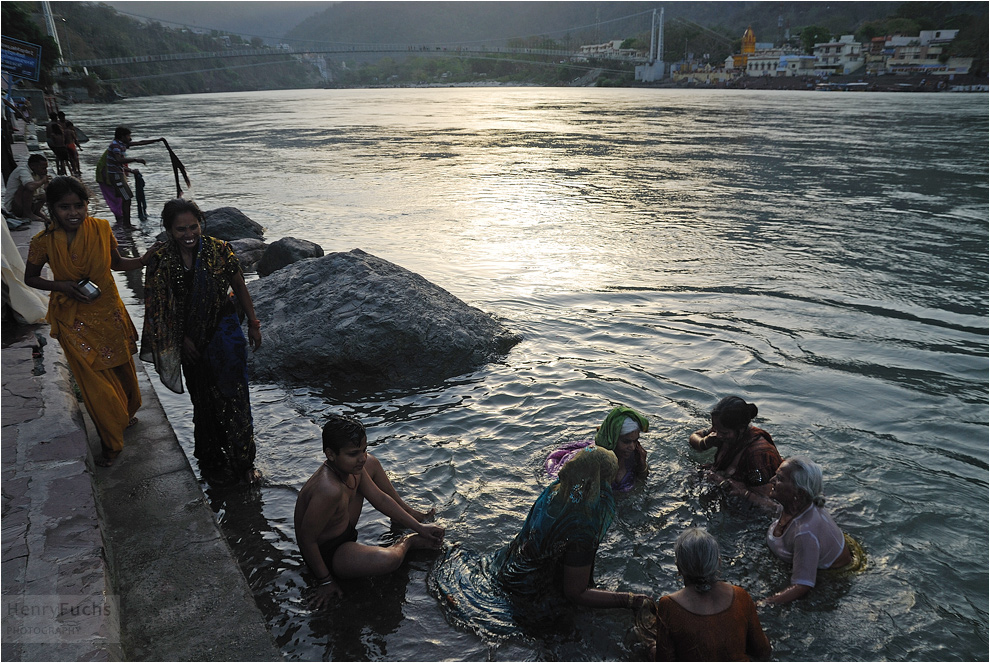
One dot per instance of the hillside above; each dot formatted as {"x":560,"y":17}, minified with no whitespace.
{"x":704,"y":30}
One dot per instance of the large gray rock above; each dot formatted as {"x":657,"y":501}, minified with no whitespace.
{"x":352,"y":318}
{"x":230,"y":223}
{"x":248,"y":252}
{"x":285,"y":252}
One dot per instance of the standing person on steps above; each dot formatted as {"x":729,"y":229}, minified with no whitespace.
{"x":90,"y":323}
{"x":192,"y":328}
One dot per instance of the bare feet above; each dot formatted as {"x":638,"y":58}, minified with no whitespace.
{"x":107,"y":458}
{"x":418,"y":541}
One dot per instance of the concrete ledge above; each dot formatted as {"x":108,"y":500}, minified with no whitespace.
{"x":52,"y":546}
{"x":182,"y":594}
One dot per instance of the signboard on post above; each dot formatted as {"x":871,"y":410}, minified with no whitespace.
{"x":21,"y":59}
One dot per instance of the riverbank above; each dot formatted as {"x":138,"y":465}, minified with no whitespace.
{"x":106,"y":564}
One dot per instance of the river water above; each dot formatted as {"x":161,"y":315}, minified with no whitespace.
{"x":824,"y":255}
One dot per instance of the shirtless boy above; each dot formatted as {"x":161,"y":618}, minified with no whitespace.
{"x":329,"y":505}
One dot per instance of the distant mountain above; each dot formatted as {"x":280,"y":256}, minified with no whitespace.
{"x":263,"y":19}
{"x":588,"y":22}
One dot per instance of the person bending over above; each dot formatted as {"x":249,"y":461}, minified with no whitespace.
{"x":329,"y":505}
{"x":24,"y":196}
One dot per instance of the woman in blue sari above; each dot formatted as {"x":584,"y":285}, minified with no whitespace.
{"x":548,"y":564}
{"x":191,"y":327}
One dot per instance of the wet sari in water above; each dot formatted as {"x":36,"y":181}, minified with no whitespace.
{"x":519,"y":588}
{"x":197,"y":303}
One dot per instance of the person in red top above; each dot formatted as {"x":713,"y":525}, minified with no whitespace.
{"x":745,"y":457}
{"x":707,"y":619}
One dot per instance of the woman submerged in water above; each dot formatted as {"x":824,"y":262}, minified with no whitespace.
{"x":548,"y":564}
{"x":745,"y":456}
{"x":619,"y":433}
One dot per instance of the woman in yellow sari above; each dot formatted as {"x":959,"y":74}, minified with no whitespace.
{"x":91,"y":324}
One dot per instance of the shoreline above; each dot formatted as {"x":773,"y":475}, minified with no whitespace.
{"x":107,"y":564}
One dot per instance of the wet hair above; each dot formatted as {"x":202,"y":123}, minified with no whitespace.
{"x":35,"y":158}
{"x":60,"y":115}
{"x":341,"y":431}
{"x":581,"y":477}
{"x":53,"y":117}
{"x":177,"y":206}
{"x":807,"y":476}
{"x":121,"y":132}
{"x":696,"y":553}
{"x":735,"y":413}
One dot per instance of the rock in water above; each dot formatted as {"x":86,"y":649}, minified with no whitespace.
{"x":354,"y":318}
{"x":229,"y":223}
{"x":285,"y":252}
{"x":248,"y":252}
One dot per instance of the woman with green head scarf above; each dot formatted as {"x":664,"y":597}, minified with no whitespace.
{"x":619,"y":433}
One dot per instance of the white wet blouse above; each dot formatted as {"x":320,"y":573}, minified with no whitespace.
{"x":810,"y":542}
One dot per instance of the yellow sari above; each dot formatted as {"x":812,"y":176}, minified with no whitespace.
{"x":98,"y":337}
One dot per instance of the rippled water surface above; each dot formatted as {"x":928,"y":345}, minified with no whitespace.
{"x":823,"y":255}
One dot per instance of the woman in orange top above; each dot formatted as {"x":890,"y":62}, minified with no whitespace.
{"x":92,"y":326}
{"x":708,"y":619}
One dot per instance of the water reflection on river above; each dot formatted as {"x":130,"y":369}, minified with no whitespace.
{"x":824,"y":255}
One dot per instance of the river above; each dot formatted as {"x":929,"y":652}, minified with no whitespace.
{"x":823,"y":255}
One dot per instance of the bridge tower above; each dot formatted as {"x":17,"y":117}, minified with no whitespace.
{"x":653,"y":70}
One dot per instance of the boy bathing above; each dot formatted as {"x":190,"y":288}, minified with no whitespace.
{"x":329,"y":505}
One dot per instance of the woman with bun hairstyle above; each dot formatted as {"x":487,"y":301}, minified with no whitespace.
{"x":745,"y":456}
{"x":708,"y":619}
{"x":804,"y":532}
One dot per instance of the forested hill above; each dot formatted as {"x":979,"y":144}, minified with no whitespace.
{"x":709,"y":30}
{"x":588,"y":22}
{"x":93,"y":30}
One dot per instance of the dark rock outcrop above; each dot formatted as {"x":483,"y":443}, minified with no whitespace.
{"x":355,"y":319}
{"x":229,"y":223}
{"x":285,"y":252}
{"x":248,"y":251}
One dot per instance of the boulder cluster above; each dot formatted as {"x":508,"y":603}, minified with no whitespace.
{"x":352,"y":318}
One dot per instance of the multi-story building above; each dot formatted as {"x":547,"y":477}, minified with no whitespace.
{"x":844,"y":56}
{"x":925,"y":54}
{"x":780,"y":62}
{"x":613,"y":47}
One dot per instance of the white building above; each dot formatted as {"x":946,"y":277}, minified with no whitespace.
{"x":613,"y":47}
{"x":844,"y":56}
{"x":775,"y":62}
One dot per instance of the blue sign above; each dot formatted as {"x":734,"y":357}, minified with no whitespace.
{"x":21,"y":58}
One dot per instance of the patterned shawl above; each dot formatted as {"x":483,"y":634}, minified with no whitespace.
{"x":172,"y":312}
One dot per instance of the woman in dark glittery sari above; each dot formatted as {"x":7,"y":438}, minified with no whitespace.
{"x":192,"y":327}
